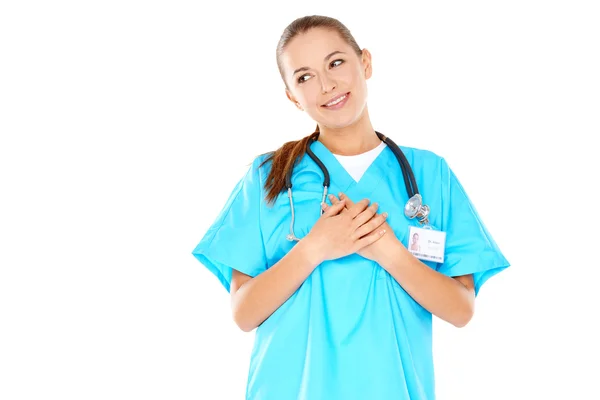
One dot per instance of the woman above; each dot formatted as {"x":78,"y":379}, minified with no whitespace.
{"x":414,"y":245}
{"x":345,"y":312}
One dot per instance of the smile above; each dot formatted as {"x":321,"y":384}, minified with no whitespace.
{"x":338,"y":102}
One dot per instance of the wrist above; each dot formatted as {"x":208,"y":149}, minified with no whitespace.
{"x":310,"y":252}
{"x":394,"y":254}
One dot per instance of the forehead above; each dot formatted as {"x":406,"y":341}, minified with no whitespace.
{"x":308,"y":49}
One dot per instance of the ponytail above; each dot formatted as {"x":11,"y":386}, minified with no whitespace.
{"x":284,"y":160}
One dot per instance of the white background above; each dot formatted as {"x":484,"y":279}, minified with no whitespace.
{"x":124,"y":126}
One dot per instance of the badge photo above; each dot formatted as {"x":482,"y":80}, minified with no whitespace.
{"x":427,"y":244}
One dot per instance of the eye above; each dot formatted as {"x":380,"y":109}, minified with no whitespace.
{"x":300,"y":80}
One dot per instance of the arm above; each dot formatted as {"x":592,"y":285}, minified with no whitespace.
{"x":333,"y":236}
{"x":451,"y":299}
{"x":253,"y":300}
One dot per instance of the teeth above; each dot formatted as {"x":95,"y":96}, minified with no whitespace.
{"x":333,"y":103}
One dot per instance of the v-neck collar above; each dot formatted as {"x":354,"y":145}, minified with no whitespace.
{"x":344,"y":181}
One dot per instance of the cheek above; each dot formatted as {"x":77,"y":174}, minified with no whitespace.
{"x":312,"y":94}
{"x":360,"y":86}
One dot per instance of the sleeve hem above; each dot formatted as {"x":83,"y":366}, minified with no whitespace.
{"x":220,"y":270}
{"x":481,"y":270}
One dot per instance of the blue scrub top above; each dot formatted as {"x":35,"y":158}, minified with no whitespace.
{"x":350,"y":331}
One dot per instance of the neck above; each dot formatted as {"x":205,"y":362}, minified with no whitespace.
{"x":350,"y":140}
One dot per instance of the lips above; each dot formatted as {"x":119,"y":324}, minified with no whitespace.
{"x":334,"y":99}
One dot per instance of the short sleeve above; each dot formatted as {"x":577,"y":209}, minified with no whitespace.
{"x":234,"y":240}
{"x":470,"y":248}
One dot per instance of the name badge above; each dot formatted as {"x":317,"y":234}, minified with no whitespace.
{"x":427,"y":244}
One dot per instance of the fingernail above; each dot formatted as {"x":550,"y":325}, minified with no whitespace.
{"x":323,"y":206}
{"x":385,"y":215}
{"x":340,"y":195}
{"x":331,"y":197}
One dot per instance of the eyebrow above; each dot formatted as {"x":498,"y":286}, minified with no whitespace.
{"x":325,"y":59}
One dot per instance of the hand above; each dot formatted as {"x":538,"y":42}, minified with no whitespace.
{"x":375,"y":250}
{"x":337,"y":234}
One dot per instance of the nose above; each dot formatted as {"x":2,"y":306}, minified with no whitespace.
{"x":327,"y":85}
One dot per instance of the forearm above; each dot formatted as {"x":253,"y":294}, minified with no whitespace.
{"x":262,"y":295}
{"x":441,"y":295}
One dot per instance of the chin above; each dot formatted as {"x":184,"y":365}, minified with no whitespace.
{"x":341,"y":122}
{"x":337,"y":124}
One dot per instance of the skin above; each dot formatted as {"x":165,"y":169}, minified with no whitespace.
{"x":349,"y":225}
{"x":347,"y":131}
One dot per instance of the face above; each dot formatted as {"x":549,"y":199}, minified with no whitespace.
{"x":319,"y":66}
{"x":415,"y":238}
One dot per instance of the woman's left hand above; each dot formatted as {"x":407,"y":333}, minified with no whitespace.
{"x":375,"y":251}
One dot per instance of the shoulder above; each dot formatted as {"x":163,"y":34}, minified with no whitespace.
{"x":261,"y":165}
{"x":257,"y":171}
{"x":425,"y":158}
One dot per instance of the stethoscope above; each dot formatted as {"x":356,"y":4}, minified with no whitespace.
{"x":414,"y":207}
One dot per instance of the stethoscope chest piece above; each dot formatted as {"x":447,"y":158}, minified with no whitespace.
{"x":415,"y":208}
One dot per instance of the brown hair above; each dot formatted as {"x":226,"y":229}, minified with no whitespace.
{"x":287,"y":156}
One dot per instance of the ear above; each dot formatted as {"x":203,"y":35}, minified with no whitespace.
{"x":366,"y":61}
{"x":292,"y":99}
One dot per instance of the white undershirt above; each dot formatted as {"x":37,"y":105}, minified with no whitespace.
{"x":357,"y":165}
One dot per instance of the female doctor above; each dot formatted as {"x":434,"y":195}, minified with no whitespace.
{"x":342,"y":309}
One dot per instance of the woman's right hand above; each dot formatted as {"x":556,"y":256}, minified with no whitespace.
{"x":337,"y":234}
